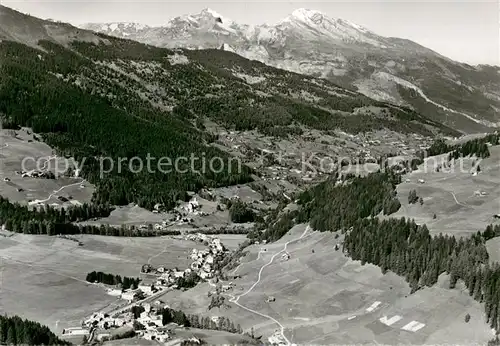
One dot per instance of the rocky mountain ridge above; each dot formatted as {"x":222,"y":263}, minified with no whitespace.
{"x":309,"y":42}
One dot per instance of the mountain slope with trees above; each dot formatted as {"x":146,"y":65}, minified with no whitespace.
{"x":310,"y":42}
{"x":16,"y":331}
{"x":115,"y":98}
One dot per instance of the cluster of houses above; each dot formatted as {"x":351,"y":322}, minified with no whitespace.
{"x":104,"y":321}
{"x":169,"y":277}
{"x":152,"y":322}
{"x":36,"y":174}
{"x":204,"y":260}
{"x":131,"y":295}
{"x":203,"y":265}
{"x":100,"y":324}
{"x":277,"y":339}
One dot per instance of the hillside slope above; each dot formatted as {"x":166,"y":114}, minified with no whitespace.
{"x":100,"y":96}
{"x":309,"y":42}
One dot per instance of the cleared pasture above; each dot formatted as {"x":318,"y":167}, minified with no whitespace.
{"x":43,"y":278}
{"x":452,"y":196}
{"x":19,"y":150}
{"x":326,"y":298}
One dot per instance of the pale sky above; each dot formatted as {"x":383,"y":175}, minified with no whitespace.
{"x":466,"y":31}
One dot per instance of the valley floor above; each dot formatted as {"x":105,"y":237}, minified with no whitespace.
{"x":43,"y":278}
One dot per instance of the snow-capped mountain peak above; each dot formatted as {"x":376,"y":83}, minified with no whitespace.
{"x":315,"y":18}
{"x":314,"y":25}
{"x":211,"y":12}
{"x":306,"y":15}
{"x":314,"y":43}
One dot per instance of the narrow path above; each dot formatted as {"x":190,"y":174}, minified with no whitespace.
{"x":47,"y":160}
{"x":56,"y":192}
{"x":235,"y":299}
{"x":456,"y":200}
{"x":158,"y":254}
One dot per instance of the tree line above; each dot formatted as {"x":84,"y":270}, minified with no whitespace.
{"x":330,"y":206}
{"x":17,"y":331}
{"x":195,"y":321}
{"x":51,"y":221}
{"x":71,"y":120}
{"x":477,"y":147}
{"x":16,"y":211}
{"x":407,"y":249}
{"x":114,"y":280}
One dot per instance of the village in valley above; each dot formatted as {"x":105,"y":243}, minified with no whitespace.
{"x":144,"y":298}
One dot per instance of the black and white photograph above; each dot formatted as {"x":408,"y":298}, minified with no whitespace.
{"x":279,"y":173}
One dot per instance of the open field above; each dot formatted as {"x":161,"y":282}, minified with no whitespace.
{"x":232,"y":241}
{"x":43,"y":278}
{"x":493,"y":247}
{"x":212,"y":337}
{"x":15,"y":146}
{"x":130,"y":215}
{"x":451,"y":196}
{"x":326,"y":298}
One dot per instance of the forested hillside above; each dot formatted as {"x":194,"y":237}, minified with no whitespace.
{"x":16,"y":331}
{"x":330,"y":206}
{"x":106,"y":97}
{"x":409,"y":250}
{"x":477,"y":147}
{"x":51,"y":221}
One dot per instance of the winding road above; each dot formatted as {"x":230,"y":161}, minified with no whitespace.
{"x":56,"y":192}
{"x":235,"y":299}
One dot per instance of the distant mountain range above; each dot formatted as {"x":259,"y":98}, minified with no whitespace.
{"x":91,"y":95}
{"x":309,"y":42}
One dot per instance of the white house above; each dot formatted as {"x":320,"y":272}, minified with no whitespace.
{"x":129,"y":295}
{"x":76,"y":331}
{"x":146,"y":289}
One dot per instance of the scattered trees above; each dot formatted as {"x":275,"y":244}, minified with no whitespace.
{"x":412,"y":197}
{"x":241,"y":213}
{"x":195,"y":321}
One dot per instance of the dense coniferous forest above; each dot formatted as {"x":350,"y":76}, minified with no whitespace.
{"x":477,"y":147}
{"x":110,"y":279}
{"x":491,"y":231}
{"x":16,"y":331}
{"x":80,"y":124}
{"x":330,"y":206}
{"x":239,"y":212}
{"x":48,"y":213}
